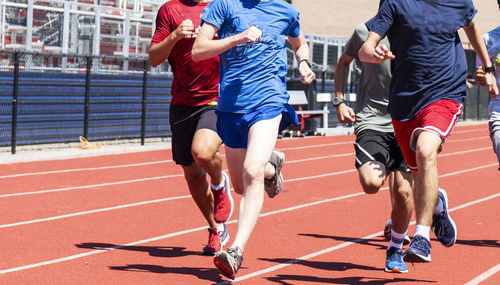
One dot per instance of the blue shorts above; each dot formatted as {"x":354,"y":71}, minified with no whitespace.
{"x":233,"y":127}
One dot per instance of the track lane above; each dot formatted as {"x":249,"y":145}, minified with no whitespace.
{"x":296,"y":187}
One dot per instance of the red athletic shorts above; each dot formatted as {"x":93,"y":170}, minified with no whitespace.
{"x":439,"y":117}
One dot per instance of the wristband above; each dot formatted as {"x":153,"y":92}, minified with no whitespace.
{"x":337,"y":101}
{"x":490,"y":69}
{"x":307,"y":61}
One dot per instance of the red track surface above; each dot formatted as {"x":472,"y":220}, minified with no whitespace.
{"x":107,"y":220}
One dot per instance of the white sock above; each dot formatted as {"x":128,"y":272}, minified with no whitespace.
{"x":439,"y":207}
{"x":396,"y":239}
{"x":423,"y":231}
{"x":220,"y":228}
{"x":217,"y":187}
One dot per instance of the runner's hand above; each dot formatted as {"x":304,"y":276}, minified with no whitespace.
{"x":479,"y":77}
{"x":252,"y":35}
{"x":491,"y":85}
{"x":307,"y":76}
{"x":345,"y":114}
{"x":381,"y":53}
{"x":185,"y":29}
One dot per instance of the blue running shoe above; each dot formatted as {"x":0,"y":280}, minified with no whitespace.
{"x":394,"y":262}
{"x":442,"y":224}
{"x":419,"y":250}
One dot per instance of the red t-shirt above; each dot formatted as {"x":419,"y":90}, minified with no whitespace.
{"x":195,"y":83}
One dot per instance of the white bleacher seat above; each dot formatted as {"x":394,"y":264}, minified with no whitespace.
{"x":298,"y":98}
{"x":323,"y":97}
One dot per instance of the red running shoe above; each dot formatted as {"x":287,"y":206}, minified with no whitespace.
{"x":223,"y":202}
{"x":216,"y":240}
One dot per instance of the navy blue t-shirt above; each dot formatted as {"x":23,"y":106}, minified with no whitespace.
{"x":430,"y":62}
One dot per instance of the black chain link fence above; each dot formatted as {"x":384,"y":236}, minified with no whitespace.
{"x":56,"y":98}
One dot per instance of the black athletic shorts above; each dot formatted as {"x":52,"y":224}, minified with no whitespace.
{"x":184,"y":122}
{"x":372,"y":145}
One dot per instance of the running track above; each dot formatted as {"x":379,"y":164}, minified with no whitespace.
{"x":128,"y":219}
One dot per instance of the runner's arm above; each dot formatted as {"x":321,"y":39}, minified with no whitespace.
{"x":205,"y":46}
{"x":371,"y":52}
{"x":302,"y":52}
{"x":477,"y":42}
{"x":159,"y":52}
{"x":345,"y":114}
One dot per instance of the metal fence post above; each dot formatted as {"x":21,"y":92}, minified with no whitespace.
{"x":87,"y":98}
{"x":144,"y":101}
{"x":14,"y":103}
{"x":323,"y":81}
{"x":478,"y":109}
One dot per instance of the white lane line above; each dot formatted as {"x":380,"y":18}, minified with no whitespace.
{"x":466,"y":151}
{"x":188,"y":196}
{"x":169,"y":161}
{"x":313,"y":146}
{"x":472,"y":130}
{"x":320,"y":157}
{"x":89,"y":186}
{"x":231,"y":222}
{"x":180,"y":175}
{"x":92,"y":211}
{"x":160,"y":201}
{"x":100,"y":250}
{"x":467,"y":170}
{"x":468,"y":139}
{"x":354,"y":241}
{"x":300,"y":259}
{"x":131,"y":165}
{"x":85,"y":169}
{"x":484,"y":275}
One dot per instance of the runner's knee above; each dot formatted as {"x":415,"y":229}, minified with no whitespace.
{"x":253,"y":172}
{"x":371,"y":185}
{"x":402,"y":195}
{"x":426,"y":153}
{"x":203,"y":155}
{"x":372,"y":180}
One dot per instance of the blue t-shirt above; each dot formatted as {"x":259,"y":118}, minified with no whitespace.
{"x":252,"y":75}
{"x":430,"y":62}
{"x":492,"y":41}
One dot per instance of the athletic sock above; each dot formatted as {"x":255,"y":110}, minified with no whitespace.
{"x":423,"y":231}
{"x":439,"y":207}
{"x":220,"y":227}
{"x":217,"y":187}
{"x":396,"y":239}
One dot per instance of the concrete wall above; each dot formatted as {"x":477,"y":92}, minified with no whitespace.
{"x":339,"y":17}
